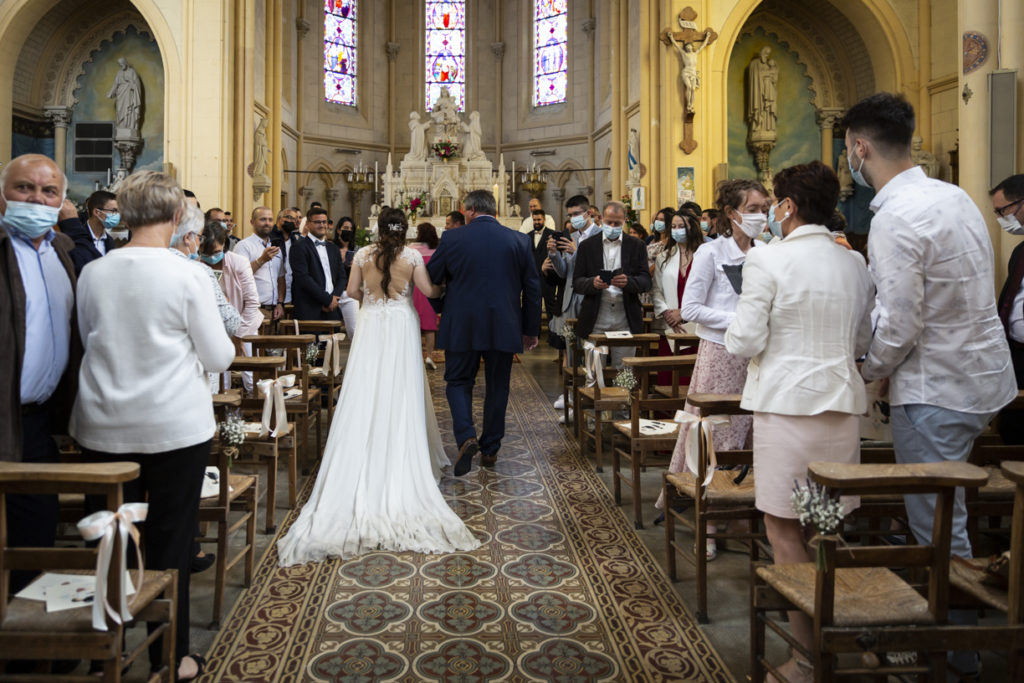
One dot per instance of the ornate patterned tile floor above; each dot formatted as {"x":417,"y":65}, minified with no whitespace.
{"x":561,"y":590}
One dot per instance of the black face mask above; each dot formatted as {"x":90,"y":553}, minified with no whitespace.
{"x":288,"y":226}
{"x":347,"y":236}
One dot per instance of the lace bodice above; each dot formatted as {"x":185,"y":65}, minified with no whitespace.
{"x":401,"y":286}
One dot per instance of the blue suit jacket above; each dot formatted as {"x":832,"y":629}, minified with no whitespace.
{"x":493,"y":294}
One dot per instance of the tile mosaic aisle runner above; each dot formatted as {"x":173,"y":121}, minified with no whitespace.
{"x":561,"y":589}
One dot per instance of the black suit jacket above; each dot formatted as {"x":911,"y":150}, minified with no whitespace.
{"x":84,"y":250}
{"x":550,"y":292}
{"x":308,"y":293}
{"x":1006,"y":297}
{"x":590,"y":263}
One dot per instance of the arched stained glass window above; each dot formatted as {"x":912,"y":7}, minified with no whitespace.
{"x":550,"y":51}
{"x":446,"y":50}
{"x":340,"y":54}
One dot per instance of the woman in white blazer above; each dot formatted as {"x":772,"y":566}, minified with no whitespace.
{"x":709,"y":301}
{"x":671,"y":271}
{"x":803,"y":319}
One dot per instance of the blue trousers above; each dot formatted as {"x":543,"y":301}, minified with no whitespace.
{"x":460,"y":375}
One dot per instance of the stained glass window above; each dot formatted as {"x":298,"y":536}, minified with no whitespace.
{"x":446,"y":51}
{"x":340,"y":56}
{"x":550,"y":51}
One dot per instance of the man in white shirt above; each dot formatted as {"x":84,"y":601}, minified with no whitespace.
{"x":1008,"y":204}
{"x":527,"y":227}
{"x":266,"y":261}
{"x":938,"y":337}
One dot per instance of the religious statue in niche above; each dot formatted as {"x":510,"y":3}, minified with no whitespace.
{"x":762,"y":110}
{"x":471,"y":149}
{"x":417,"y":138}
{"x":923,"y":158}
{"x":127,"y":95}
{"x":260,"y":159}
{"x":845,"y":177}
{"x":633,"y":159}
{"x":445,"y":114}
{"x":688,"y":43}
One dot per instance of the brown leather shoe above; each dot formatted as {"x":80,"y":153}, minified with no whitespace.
{"x":467,"y":450}
{"x":488,"y":459}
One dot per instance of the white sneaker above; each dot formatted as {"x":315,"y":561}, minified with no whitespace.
{"x":561,"y":417}
{"x":560,"y":402}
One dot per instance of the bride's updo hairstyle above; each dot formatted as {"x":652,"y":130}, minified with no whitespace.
{"x":391,"y":228}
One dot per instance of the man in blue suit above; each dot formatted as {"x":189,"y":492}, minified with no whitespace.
{"x":491,"y":311}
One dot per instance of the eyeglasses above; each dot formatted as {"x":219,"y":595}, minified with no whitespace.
{"x":1001,"y":210}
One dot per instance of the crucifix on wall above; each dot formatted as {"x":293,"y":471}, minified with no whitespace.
{"x":688,"y":42}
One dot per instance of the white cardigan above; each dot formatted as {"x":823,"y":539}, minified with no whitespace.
{"x":803,"y":319}
{"x":709,"y":299}
{"x":151,"y":331}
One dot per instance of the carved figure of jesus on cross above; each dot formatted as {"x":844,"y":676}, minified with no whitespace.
{"x":688,"y":42}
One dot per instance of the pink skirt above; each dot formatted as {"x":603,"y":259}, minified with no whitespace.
{"x":785,"y":444}
{"x":428,"y":317}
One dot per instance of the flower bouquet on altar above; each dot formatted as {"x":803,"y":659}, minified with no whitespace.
{"x":412,"y":206}
{"x":445,"y":149}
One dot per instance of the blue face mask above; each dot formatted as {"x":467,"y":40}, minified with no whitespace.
{"x":212,"y":260}
{"x":858,"y":175}
{"x":611,"y":233}
{"x":30,"y":220}
{"x":704,"y":227}
{"x":776,"y":225}
{"x":112,"y":220}
{"x":679,"y":234}
{"x":578,"y":222}
{"x":659,"y":226}
{"x":193,"y":256}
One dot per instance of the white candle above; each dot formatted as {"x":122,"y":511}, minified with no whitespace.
{"x":513,"y":179}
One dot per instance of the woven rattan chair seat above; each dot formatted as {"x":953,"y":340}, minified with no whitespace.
{"x":237,"y":483}
{"x":865,"y":596}
{"x":722,"y":489}
{"x":967,"y":575}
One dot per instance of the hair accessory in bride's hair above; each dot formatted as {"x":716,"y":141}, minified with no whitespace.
{"x":397,"y":227}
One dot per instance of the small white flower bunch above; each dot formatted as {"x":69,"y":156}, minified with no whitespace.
{"x":625,"y":380}
{"x":568,"y":334}
{"x":312,"y":351}
{"x":814,"y":505}
{"x":231,"y":431}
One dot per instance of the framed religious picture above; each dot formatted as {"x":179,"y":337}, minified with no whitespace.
{"x":685,"y":185}
{"x":638,"y":198}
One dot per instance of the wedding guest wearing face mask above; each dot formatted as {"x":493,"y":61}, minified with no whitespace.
{"x":284,"y":235}
{"x":938,"y":336}
{"x":671,"y":271}
{"x":1008,"y":204}
{"x":234,"y":274}
{"x":805,"y":314}
{"x":186,"y":243}
{"x":611,"y":273}
{"x":710,"y":301}
{"x":638,"y":231}
{"x":659,"y":232}
{"x":708,"y":219}
{"x":93,"y":240}
{"x":37,"y":295}
{"x":151,"y":332}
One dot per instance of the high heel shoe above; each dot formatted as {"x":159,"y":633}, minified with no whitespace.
{"x":429,"y":362}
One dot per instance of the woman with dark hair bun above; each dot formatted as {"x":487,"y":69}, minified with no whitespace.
{"x":377,"y":486}
{"x":426,"y":242}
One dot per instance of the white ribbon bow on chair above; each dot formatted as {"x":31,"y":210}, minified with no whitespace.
{"x":272,"y":391}
{"x":332,"y":352}
{"x":593,"y":362}
{"x":102,"y":526}
{"x":698,"y":425}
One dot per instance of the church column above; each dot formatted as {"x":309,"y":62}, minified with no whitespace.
{"x":924,"y":71}
{"x":243,"y":89}
{"x":60,"y":117}
{"x":827,"y":117}
{"x":275,"y":32}
{"x":1011,"y":56}
{"x":980,"y":17}
{"x":615,"y":41}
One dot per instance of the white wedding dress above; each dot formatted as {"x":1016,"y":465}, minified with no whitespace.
{"x":377,"y":485}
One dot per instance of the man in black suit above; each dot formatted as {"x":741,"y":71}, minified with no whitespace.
{"x":318,"y":275}
{"x":1008,"y":203}
{"x":491,"y":312}
{"x":550,"y":292}
{"x":92,"y":239}
{"x":611,"y":273}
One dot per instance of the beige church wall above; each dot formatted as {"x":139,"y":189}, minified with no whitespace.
{"x":259,"y":62}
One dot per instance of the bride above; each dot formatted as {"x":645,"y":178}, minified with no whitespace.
{"x":377,"y":485}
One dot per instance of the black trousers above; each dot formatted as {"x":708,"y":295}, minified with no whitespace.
{"x":460,"y":376}
{"x":32,"y":520}
{"x":171,"y":482}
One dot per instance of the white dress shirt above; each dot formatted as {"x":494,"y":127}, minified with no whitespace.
{"x":803,"y":319}
{"x":99,"y":242}
{"x":709,"y":299}
{"x":151,"y":330}
{"x":48,"y":305}
{"x":266,"y":277}
{"x":938,"y":333}
{"x":612,"y":262}
{"x":527,"y":225}
{"x":1017,"y":318}
{"x":325,"y":263}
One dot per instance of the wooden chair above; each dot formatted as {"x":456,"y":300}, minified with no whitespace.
{"x":266,"y":451}
{"x":857,"y":602}
{"x":572,"y":379}
{"x":992,"y":503}
{"x":968,"y":577}
{"x":237,"y":495}
{"x":307,"y":404}
{"x":726,"y":497}
{"x":30,"y":632}
{"x":324,"y":378}
{"x":598,"y":399}
{"x":647,"y":401}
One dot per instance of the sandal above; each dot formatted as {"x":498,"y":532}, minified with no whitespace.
{"x":710,"y":549}
{"x":200,"y":666}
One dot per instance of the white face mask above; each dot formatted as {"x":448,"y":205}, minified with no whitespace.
{"x":1010,"y":224}
{"x":752,"y":225}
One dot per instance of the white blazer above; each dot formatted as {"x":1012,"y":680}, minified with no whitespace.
{"x":803,"y":319}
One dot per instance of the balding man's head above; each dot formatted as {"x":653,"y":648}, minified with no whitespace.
{"x":33,"y":178}
{"x":262,"y":221}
